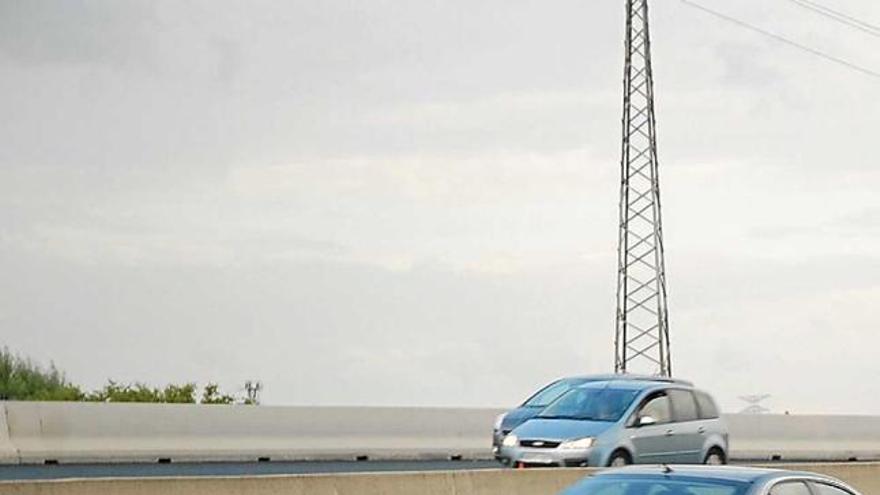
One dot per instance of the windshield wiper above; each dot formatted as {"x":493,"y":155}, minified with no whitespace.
{"x":557,"y":417}
{"x":590,"y":418}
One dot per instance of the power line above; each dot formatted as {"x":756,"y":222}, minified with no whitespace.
{"x":838,"y":16}
{"x":784,"y":40}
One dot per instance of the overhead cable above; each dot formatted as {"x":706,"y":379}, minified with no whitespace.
{"x":787,"y":41}
{"x":838,"y":16}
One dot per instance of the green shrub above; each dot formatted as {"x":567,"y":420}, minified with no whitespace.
{"x":212,"y":395}
{"x":21,"y":379}
{"x":139,"y":392}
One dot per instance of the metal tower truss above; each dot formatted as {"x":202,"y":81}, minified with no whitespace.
{"x":642,"y":338}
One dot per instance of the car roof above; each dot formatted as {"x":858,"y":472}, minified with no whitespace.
{"x":720,"y":473}
{"x":627,"y":384}
{"x":627,"y":376}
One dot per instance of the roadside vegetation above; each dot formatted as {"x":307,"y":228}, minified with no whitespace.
{"x":23,"y":379}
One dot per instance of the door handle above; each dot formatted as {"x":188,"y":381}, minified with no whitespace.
{"x":669,"y":433}
{"x":701,"y":430}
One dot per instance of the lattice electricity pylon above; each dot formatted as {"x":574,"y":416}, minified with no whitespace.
{"x":754,"y":404}
{"x":642,"y":338}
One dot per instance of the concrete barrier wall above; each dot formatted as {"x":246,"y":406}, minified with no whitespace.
{"x":96,"y":432}
{"x":804,"y":438}
{"x":86,"y":432}
{"x":8,"y":454}
{"x":510,"y":482}
{"x":865,"y":477}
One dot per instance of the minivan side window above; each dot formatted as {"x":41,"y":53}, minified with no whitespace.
{"x":708,"y":409}
{"x":684,"y":406}
{"x":657,"y":407}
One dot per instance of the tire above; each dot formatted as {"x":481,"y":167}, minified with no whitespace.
{"x":715,"y":457}
{"x":620,"y":458}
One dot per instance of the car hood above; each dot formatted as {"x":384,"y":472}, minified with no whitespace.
{"x":561,"y":429}
{"x":519,"y":416}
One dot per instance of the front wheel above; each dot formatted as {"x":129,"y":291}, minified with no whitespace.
{"x":715,"y":457}
{"x":619,"y":459}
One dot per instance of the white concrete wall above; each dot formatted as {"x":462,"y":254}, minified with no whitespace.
{"x":84,"y":432}
{"x":865,"y":477}
{"x":8,"y":454}
{"x":805,"y":438}
{"x":509,"y":482}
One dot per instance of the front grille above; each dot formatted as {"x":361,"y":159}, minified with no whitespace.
{"x":539,"y":444}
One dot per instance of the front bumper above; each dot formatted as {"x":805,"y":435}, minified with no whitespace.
{"x":520,"y":456}
{"x":497,"y":438}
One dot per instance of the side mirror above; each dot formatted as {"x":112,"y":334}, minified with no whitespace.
{"x":646,"y":421}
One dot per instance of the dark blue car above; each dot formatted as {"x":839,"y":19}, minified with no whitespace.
{"x":533,"y":406}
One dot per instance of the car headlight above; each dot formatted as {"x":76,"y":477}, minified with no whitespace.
{"x":499,"y":420}
{"x":580,"y":444}
{"x":510,"y":441}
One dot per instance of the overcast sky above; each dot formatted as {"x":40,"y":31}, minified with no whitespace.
{"x":414,"y":202}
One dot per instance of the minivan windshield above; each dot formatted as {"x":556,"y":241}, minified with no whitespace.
{"x":552,"y":392}
{"x":594,"y":404}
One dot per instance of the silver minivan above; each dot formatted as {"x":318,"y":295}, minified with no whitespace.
{"x":620,"y":422}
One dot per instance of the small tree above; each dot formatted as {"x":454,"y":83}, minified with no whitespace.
{"x":180,"y":394}
{"x":212,"y":395}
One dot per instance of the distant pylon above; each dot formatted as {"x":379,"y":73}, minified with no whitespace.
{"x":754,"y":404}
{"x":642,"y":337}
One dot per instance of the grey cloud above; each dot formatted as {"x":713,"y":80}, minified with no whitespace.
{"x":229,"y":59}
{"x":330,"y":332}
{"x":377,"y":335}
{"x":743,"y":280}
{"x":302,"y":191}
{"x":87,"y":32}
{"x":741,"y":67}
{"x":861,"y":223}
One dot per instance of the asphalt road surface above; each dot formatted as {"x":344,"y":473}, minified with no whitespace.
{"x":60,"y":471}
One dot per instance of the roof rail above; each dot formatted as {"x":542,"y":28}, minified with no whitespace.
{"x":655,"y":378}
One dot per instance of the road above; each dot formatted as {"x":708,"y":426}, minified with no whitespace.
{"x":60,"y":471}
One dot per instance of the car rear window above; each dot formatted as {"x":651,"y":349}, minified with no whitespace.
{"x":708,"y":409}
